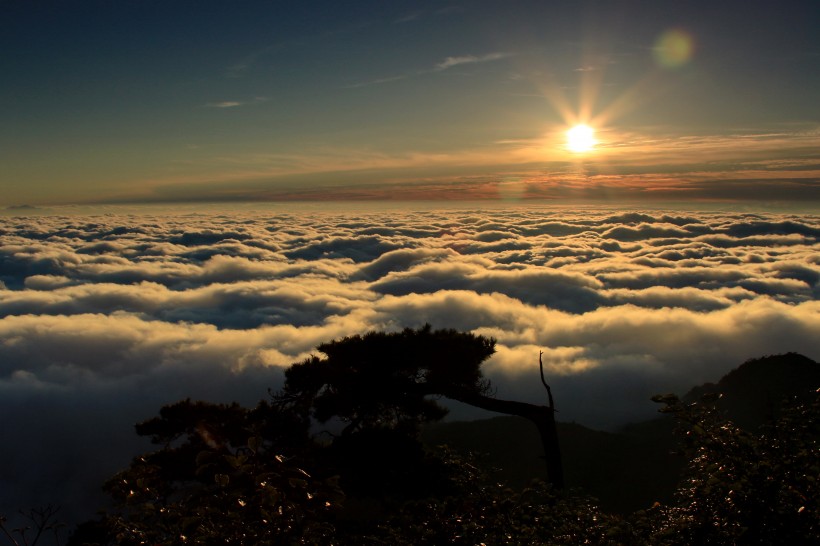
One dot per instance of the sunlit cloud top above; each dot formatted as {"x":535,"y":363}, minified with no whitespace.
{"x":105,"y":317}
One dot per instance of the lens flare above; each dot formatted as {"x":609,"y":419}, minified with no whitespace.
{"x":674,"y":48}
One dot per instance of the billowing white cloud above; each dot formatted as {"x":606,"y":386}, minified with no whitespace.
{"x":105,"y":318}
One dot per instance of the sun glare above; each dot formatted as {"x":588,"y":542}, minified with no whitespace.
{"x":581,"y":138}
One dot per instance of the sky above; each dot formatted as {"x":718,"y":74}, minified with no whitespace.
{"x":194,"y":195}
{"x":193,"y":101}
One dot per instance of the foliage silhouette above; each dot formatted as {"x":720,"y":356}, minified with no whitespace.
{"x":746,"y":488}
{"x":391,"y":381}
{"x":42,"y":522}
{"x":225,"y":474}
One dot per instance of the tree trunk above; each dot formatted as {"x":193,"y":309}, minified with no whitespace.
{"x":542,"y":417}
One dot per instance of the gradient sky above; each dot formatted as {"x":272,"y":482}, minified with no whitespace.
{"x":172,"y":101}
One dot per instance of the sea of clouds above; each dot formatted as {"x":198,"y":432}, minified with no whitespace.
{"x":104,"y":318}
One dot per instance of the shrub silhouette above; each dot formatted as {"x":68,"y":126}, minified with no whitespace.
{"x":224,"y":474}
{"x":392,"y":381}
{"x":742,"y":487}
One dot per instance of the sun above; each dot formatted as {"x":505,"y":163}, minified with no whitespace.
{"x":581,"y":138}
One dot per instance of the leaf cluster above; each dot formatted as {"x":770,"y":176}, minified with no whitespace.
{"x":386,"y":380}
{"x":746,"y":487}
{"x":225,"y":475}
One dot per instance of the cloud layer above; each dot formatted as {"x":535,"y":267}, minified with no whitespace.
{"x":105,"y":318}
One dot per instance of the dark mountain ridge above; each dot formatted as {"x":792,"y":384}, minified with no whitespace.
{"x":632,"y":468}
{"x":754,"y":392}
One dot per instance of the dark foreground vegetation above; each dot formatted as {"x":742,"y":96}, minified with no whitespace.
{"x":381,"y":474}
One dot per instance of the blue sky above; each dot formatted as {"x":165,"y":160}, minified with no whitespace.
{"x":214,"y":101}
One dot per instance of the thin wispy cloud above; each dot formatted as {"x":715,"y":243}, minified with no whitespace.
{"x":224,"y":104}
{"x":239,"y":69}
{"x":235,"y":103}
{"x":377,"y":81}
{"x":245,"y":65}
{"x":630,"y":165}
{"x":447,"y":63}
{"x":450,"y":62}
{"x":410,"y":17}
